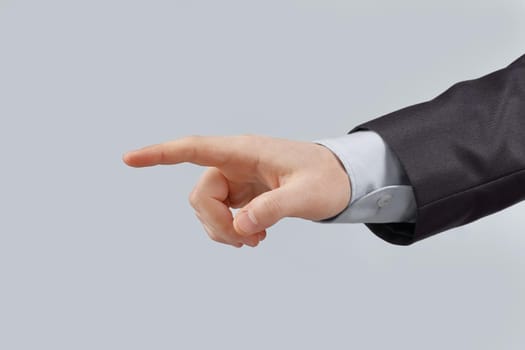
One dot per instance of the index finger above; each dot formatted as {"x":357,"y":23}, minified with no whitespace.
{"x":201,"y":150}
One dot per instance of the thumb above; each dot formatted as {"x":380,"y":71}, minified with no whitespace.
{"x":266,"y":209}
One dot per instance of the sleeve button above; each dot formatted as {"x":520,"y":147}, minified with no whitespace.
{"x":384,"y":200}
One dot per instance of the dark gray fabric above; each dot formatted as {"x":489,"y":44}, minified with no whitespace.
{"x":463,"y":152}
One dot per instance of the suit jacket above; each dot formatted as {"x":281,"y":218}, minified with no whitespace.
{"x":463,"y":153}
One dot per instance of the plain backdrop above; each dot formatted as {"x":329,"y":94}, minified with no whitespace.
{"x":96,"y":255}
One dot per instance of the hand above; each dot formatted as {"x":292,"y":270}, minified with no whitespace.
{"x":269,"y":178}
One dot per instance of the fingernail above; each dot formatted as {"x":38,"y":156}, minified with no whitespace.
{"x":247,"y":222}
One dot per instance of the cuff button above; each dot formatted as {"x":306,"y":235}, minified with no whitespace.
{"x":384,"y":200}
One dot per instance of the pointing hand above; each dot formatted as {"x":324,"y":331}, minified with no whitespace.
{"x":268,"y":178}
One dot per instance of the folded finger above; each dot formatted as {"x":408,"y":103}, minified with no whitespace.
{"x":208,"y":201}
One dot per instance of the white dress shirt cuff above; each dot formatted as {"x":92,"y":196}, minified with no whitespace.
{"x":381,"y":191}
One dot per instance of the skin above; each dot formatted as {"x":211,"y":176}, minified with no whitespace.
{"x":267,"y":178}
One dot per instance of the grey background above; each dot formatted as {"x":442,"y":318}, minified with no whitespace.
{"x":95,"y":255}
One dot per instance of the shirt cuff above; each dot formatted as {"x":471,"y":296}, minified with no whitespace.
{"x":381,"y":191}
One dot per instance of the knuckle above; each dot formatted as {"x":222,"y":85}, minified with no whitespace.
{"x":214,"y":237}
{"x":214,"y":234}
{"x":219,"y":227}
{"x":199,"y":216}
{"x":194,"y":198}
{"x":162,"y":153}
{"x":191,"y":142}
{"x":211,"y":233}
